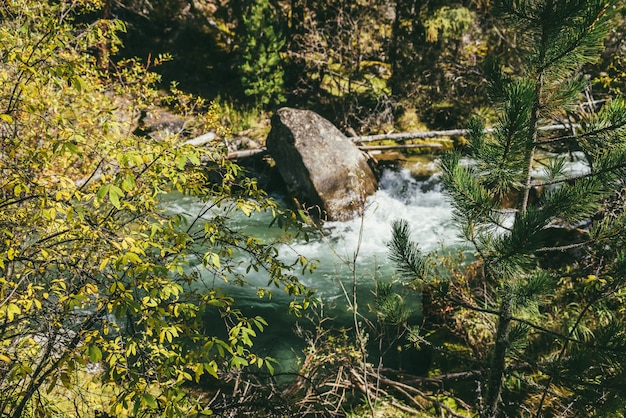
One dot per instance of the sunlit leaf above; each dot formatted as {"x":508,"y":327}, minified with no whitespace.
{"x":115,"y":193}
{"x":149,"y":400}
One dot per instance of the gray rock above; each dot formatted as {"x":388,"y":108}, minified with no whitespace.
{"x":159,"y":123}
{"x":322,"y":169}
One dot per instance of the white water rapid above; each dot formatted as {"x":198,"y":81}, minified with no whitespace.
{"x":400,"y":196}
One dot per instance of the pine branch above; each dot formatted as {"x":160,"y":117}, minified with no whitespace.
{"x":560,"y":357}
{"x":564,"y":247}
{"x":547,"y":331}
{"x":405,"y":253}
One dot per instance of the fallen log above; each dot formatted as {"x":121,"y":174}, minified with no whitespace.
{"x":403,"y":146}
{"x":251,"y":152}
{"x":405,"y":136}
{"x":245,"y":153}
{"x":201,"y":140}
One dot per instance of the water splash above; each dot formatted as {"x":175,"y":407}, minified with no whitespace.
{"x":421,"y":203}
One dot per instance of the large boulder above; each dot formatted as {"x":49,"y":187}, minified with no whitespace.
{"x":321,"y":167}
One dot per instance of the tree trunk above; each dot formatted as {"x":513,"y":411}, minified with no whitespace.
{"x":103,"y":48}
{"x":498,"y":361}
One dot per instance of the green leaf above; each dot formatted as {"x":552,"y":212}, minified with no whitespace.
{"x":193,"y":159}
{"x":78,"y":83}
{"x":303,"y":216}
{"x":211,"y":368}
{"x":114,"y":196}
{"x":129,"y":183}
{"x":50,"y":214}
{"x":102,"y":191}
{"x":238,"y":362}
{"x":149,"y":400}
{"x":181,"y":162}
{"x":95,"y":354}
{"x":71,"y":147}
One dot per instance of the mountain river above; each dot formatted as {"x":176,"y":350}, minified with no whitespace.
{"x":421,"y":203}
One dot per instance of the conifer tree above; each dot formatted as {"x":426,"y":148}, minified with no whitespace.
{"x":262,"y":74}
{"x":552,"y":333}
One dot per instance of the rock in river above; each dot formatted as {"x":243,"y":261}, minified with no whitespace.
{"x":323,"y":169}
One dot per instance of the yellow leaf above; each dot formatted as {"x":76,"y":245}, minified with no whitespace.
{"x":245,"y":208}
{"x":103,"y":264}
{"x":12,"y":310}
{"x":131,"y":350}
{"x":27,"y":304}
{"x":50,"y":214}
{"x":133,"y":257}
{"x":6,"y":118}
{"x":91,"y":289}
{"x":4,"y":358}
{"x":215,"y":260}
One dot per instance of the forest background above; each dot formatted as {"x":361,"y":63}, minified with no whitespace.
{"x":368,"y":66}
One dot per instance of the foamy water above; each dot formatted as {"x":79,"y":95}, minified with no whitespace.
{"x":420,"y":203}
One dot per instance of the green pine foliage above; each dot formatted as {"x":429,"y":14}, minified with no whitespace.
{"x":405,"y":253}
{"x":554,"y":332}
{"x":262,"y":75}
